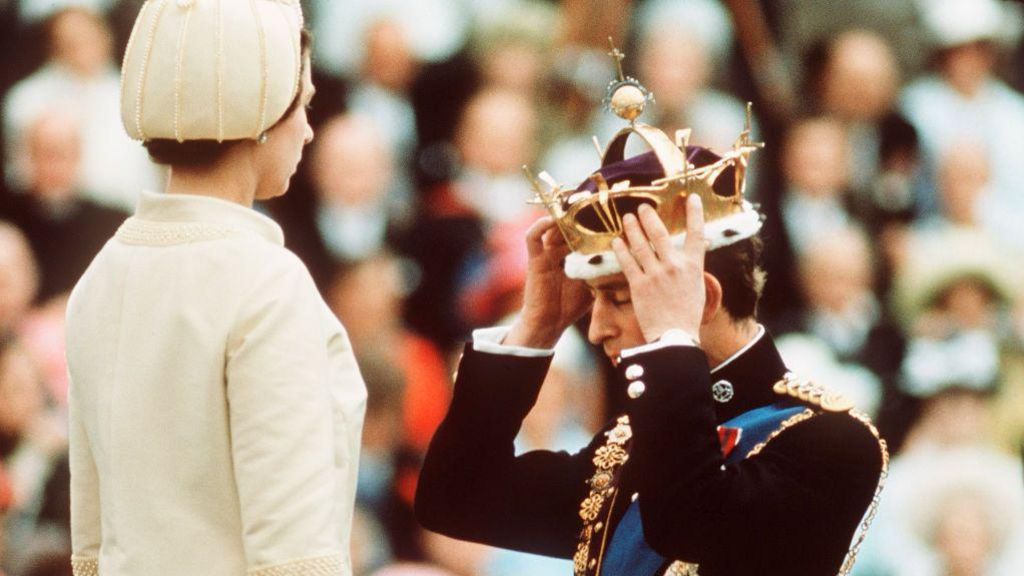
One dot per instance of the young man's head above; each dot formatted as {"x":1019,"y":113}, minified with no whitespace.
{"x":733,"y":282}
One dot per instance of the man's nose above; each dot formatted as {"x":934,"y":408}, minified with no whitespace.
{"x":600,"y":327}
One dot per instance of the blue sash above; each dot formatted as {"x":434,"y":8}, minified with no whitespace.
{"x":628,"y":554}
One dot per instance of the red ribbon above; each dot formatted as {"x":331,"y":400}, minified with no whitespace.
{"x":729,"y":438}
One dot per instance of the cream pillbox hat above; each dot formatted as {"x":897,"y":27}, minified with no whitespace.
{"x":210,"y":69}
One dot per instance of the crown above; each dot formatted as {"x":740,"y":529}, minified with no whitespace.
{"x":590,"y":216}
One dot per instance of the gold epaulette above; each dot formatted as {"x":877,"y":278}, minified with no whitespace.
{"x":812,"y":393}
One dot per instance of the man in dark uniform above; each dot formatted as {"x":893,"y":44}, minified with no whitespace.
{"x":725,"y":463}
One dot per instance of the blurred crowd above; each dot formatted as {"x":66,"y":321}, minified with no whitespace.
{"x":891,"y":182}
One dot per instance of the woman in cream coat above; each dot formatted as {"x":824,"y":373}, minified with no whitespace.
{"x":216,"y":406}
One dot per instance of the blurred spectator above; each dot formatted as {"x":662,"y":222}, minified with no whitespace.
{"x":496,"y":289}
{"x":31,"y":444}
{"x":844,"y":336}
{"x":952,"y":295}
{"x":888,"y":207}
{"x":965,"y":202}
{"x":382,"y":94}
{"x":64,"y":229}
{"x":496,"y":137}
{"x":577,"y":84}
{"x":80,"y":77}
{"x":409,"y":391}
{"x":682,"y":44}
{"x":369,"y":543}
{"x":802,"y":23}
{"x":513,"y":47}
{"x":949,"y":512}
{"x":19,"y":277}
{"x":368,"y":298}
{"x":957,"y":281}
{"x":355,"y":213}
{"x":39,"y":10}
{"x":854,"y":78}
{"x":436,"y":29}
{"x":812,"y":203}
{"x":965,"y":101}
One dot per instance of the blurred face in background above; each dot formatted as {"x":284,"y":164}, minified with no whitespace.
{"x":674,"y":67}
{"x":861,"y":78}
{"x":18,"y":277}
{"x":836,"y":272}
{"x":514,"y":66}
{"x":389,"y":62}
{"x":967,"y":68}
{"x":970,"y":304}
{"x":963,"y":536}
{"x":954,"y":417}
{"x":963,"y":180}
{"x":54,"y":156}
{"x":82,"y":41}
{"x":352,"y":164}
{"x":368,"y":297}
{"x":21,"y":396}
{"x":497,"y":133}
{"x":815,"y":158}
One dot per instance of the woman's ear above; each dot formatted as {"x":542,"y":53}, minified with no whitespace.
{"x":712,"y":298}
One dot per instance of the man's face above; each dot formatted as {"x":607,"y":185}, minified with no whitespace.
{"x":613,"y":325}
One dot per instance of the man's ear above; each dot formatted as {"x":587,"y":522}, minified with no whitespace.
{"x":712,"y":298}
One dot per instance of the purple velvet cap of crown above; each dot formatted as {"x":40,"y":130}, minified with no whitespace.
{"x":643,"y":169}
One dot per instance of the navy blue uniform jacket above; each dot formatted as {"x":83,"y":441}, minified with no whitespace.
{"x":790,"y":510}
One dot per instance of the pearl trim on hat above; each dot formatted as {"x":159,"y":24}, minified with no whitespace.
{"x":741,"y":226}
{"x":265,"y":72}
{"x":220,"y":71}
{"x":145,"y":67}
{"x":179,"y":65}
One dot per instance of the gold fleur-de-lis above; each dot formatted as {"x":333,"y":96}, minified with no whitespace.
{"x":610,"y":456}
{"x":591,"y":507}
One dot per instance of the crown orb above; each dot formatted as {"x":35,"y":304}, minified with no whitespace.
{"x":628,"y":102}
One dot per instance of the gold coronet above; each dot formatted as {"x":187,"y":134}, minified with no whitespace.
{"x":590,"y":221}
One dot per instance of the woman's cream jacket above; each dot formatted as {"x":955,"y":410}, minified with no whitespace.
{"x":216,"y":406}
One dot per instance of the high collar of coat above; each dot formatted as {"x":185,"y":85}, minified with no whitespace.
{"x":752,"y":374}
{"x":190,"y":209}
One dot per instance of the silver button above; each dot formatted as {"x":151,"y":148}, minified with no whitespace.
{"x":636,"y":389}
{"x":634,"y":372}
{"x":722,"y":391}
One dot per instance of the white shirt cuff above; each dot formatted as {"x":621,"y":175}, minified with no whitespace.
{"x":489,"y":340}
{"x":674,"y":337}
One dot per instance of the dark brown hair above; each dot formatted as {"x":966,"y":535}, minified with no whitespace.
{"x":739,"y":271}
{"x":202,"y":153}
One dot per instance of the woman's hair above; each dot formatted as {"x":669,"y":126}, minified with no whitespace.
{"x":203,"y":153}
